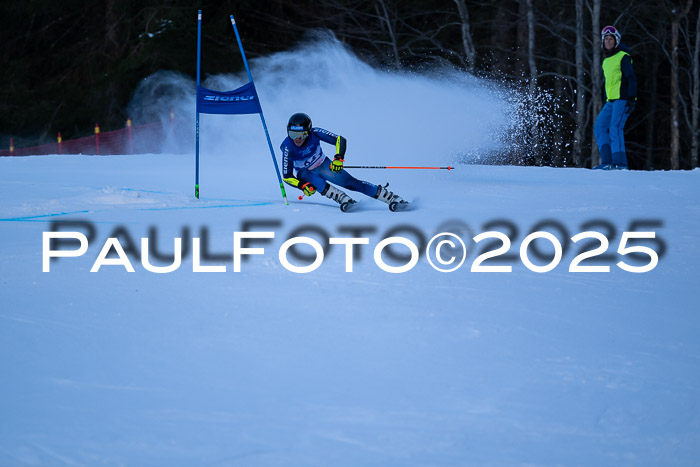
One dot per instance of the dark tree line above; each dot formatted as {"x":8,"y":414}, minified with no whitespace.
{"x":69,"y":64}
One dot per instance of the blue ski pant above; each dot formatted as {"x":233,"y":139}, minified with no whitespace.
{"x":322,"y":174}
{"x":609,"y":134}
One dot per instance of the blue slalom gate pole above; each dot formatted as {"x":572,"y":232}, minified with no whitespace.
{"x":262,"y":118}
{"x":199,"y":57}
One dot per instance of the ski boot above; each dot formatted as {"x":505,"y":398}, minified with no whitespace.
{"x":395,"y":202}
{"x":339,"y":197}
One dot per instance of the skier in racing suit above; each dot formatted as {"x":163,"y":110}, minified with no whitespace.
{"x":306,"y":167}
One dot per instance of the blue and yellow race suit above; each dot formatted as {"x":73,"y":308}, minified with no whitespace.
{"x":307,"y":164}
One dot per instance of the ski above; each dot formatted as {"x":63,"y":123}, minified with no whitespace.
{"x":395,"y":206}
{"x":348,"y":205}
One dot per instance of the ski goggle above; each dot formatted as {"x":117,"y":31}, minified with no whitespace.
{"x":608,"y":31}
{"x":297,"y":134}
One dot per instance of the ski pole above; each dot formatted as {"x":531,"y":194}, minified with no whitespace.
{"x":387,"y":167}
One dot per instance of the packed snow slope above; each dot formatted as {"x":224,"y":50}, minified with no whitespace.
{"x":271,"y":367}
{"x":268,"y":367}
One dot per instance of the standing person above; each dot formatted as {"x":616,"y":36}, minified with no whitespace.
{"x":307,"y":168}
{"x":620,"y":93}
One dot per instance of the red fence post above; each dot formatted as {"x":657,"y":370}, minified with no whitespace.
{"x":60,"y":151}
{"x":97,"y":138}
{"x":12,"y":147}
{"x":131,"y":139}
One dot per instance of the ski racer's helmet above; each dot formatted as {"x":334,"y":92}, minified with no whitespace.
{"x":299,"y":126}
{"x":611,"y":31}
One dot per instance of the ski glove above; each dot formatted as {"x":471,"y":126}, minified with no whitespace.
{"x":308,"y":189}
{"x":337,"y":164}
{"x":629,"y":107}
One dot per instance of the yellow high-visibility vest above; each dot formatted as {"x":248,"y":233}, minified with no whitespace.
{"x":613,"y":74}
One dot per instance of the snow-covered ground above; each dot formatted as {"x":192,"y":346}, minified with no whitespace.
{"x":270,"y":367}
